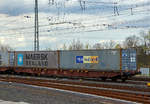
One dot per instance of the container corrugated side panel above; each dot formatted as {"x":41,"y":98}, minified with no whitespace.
{"x":4,"y":59}
{"x":129,"y":59}
{"x":84,"y":59}
{"x":41,"y":59}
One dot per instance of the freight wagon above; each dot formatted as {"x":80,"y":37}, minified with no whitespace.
{"x":106,"y":63}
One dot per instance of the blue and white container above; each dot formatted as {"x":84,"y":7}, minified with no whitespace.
{"x":129,"y":59}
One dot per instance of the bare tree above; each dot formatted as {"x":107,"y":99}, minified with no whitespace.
{"x":64,"y":47}
{"x":132,"y":41}
{"x":87,"y":46}
{"x":76,"y":45}
{"x":98,"y":46}
{"x":145,"y":39}
{"x":109,"y":44}
{"x":6,"y":48}
{"x":70,"y":47}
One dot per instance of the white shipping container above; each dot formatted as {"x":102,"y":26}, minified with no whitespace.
{"x":40,"y":59}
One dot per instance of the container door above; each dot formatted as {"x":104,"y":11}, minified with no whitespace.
{"x":11,"y":59}
{"x":129,"y":59}
{"x":133,"y":61}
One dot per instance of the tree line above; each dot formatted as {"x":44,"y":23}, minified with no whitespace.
{"x":141,"y":43}
{"x":5,"y":48}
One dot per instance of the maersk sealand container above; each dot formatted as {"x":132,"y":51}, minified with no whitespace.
{"x":39,"y":59}
{"x":102,"y":60}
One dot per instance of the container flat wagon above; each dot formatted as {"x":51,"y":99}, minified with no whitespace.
{"x":106,"y":63}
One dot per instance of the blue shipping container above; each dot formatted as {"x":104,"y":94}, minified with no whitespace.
{"x":129,"y":59}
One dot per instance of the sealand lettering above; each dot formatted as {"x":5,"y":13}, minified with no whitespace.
{"x":37,"y":63}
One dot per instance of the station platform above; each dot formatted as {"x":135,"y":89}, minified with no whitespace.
{"x":10,"y":102}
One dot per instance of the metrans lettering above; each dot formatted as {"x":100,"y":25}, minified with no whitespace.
{"x":90,"y":59}
{"x":86,"y":59}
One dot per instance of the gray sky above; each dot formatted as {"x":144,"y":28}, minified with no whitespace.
{"x":64,"y":21}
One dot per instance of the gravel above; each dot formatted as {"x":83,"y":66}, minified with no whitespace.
{"x":37,"y":95}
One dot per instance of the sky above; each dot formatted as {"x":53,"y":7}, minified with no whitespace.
{"x":62,"y":21}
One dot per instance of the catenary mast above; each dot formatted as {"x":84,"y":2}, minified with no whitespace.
{"x":36,"y":32}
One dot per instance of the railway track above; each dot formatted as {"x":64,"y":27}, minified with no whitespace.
{"x":140,"y":78}
{"x":130,"y":81}
{"x":121,"y":91}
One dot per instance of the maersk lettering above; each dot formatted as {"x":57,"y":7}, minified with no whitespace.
{"x":37,"y":60}
{"x":37,"y":56}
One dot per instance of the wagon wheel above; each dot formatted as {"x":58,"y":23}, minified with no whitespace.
{"x":124,"y":79}
{"x":103,"y":78}
{"x":114,"y":79}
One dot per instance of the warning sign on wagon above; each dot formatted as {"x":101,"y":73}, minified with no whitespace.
{"x":86,"y":59}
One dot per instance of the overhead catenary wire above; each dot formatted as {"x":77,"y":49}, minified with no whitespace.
{"x":56,"y":24}
{"x":74,"y":21}
{"x":88,"y":19}
{"x":59,"y":33}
